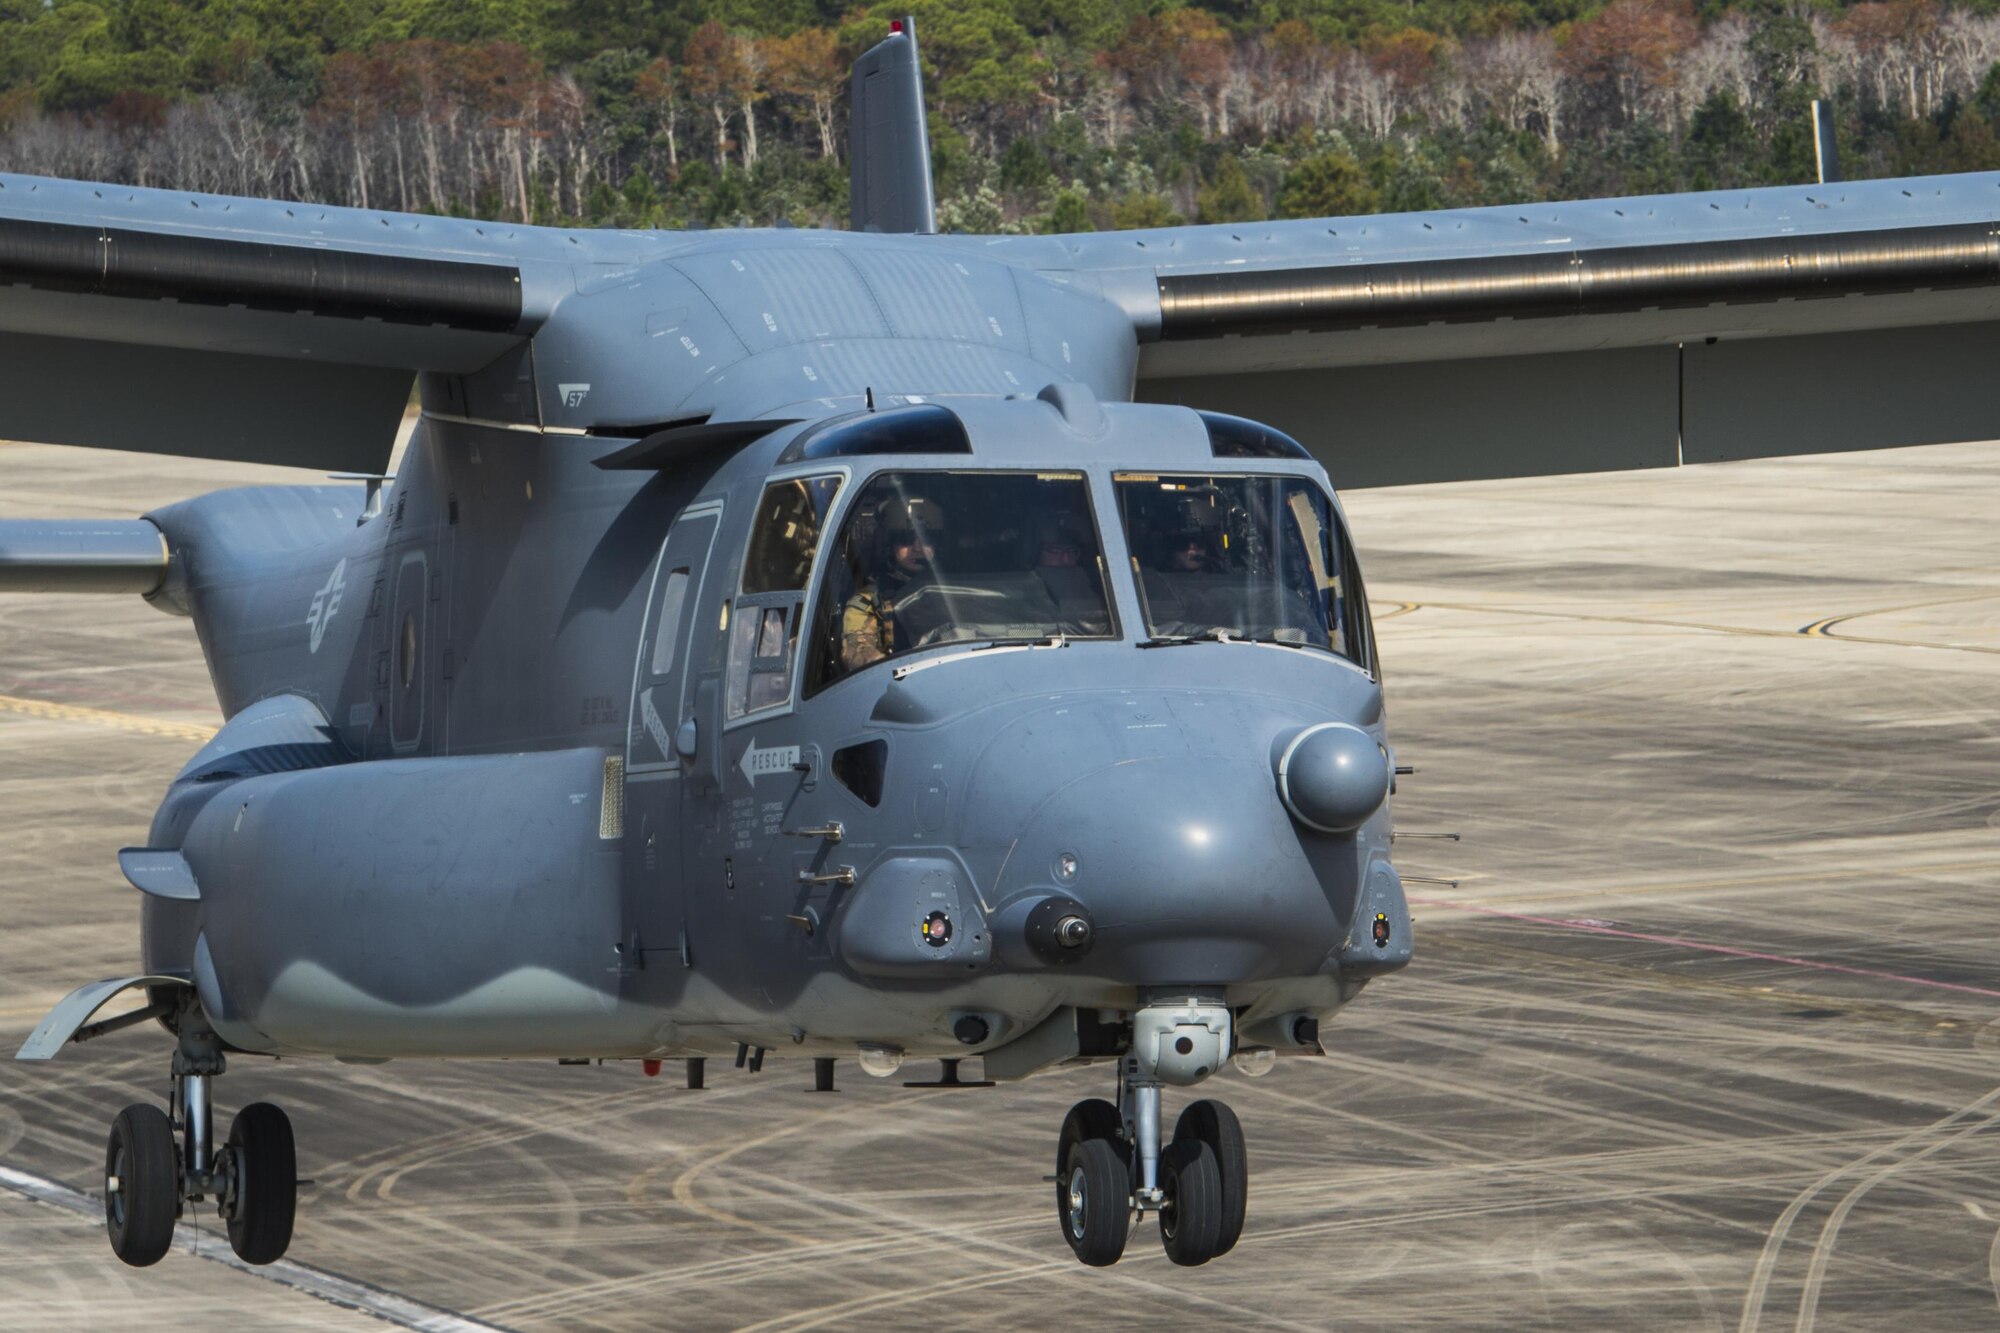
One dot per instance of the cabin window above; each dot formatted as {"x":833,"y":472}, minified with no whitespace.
{"x":406,"y":652}
{"x":665,"y":637}
{"x":1253,"y":558}
{"x":928,"y":558}
{"x":763,"y":632}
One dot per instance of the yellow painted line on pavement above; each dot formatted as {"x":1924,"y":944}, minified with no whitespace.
{"x":100,"y":717}
{"x":1818,"y":629}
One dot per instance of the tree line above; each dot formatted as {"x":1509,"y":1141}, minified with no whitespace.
{"x":1098,"y":113}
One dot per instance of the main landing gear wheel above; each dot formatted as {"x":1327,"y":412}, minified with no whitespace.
{"x":265,"y":1197}
{"x":1191,"y":1203}
{"x":1094,"y":1183}
{"x":142,"y":1182}
{"x":1214,"y":1124}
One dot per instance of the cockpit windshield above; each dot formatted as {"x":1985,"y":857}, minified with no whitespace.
{"x":927,"y":558}
{"x":1243,"y":557}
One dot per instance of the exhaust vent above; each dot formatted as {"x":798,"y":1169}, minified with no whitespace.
{"x":611,"y":812}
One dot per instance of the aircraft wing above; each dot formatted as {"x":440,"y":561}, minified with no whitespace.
{"x":1575,"y":337}
{"x":251,"y":329}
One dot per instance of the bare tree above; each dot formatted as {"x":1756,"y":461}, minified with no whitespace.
{"x":1516,"y":79}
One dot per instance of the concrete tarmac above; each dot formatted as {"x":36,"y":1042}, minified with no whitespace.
{"x":1706,"y":1035}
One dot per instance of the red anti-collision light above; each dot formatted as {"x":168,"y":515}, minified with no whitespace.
{"x":652,"y":1068}
{"x":895,"y":26}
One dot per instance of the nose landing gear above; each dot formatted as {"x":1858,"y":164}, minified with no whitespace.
{"x":1094,"y":1182}
{"x":1111,"y":1165}
{"x":149,"y":1179}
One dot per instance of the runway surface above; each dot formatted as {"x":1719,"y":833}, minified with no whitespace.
{"x":1706,"y":1036}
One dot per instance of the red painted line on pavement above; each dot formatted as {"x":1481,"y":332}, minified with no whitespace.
{"x":1675,"y":941}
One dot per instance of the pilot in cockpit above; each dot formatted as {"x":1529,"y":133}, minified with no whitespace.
{"x":1070,"y":578}
{"x":1189,"y":537}
{"x":907,"y":533}
{"x":1191,"y":547}
{"x":1186,"y":545}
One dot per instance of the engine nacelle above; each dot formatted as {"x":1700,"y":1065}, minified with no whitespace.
{"x":452,"y":906}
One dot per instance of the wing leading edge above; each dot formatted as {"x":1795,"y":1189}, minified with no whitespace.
{"x":250,"y":329}
{"x":1587,"y":336}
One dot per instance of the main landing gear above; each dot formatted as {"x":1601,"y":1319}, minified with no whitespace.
{"x":1111,"y":1165}
{"x":150,"y":1175}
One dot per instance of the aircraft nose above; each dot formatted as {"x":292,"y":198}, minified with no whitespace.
{"x":1190,"y":872}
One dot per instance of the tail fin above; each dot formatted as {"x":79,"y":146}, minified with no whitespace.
{"x":889,"y":151}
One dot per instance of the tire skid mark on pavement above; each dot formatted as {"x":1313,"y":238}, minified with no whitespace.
{"x":1780,"y":1229}
{"x":1822,"y":1255}
{"x":303,"y":1278}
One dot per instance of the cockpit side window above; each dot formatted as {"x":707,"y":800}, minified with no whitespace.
{"x":1359,"y":625}
{"x":1259,"y":558}
{"x":763,"y":630}
{"x":786,"y":533}
{"x":928,"y":558}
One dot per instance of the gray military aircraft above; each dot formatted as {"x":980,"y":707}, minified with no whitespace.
{"x":811,"y":643}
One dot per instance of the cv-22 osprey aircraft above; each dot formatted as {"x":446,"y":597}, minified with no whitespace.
{"x":872,"y":644}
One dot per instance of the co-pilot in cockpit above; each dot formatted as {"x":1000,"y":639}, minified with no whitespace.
{"x":1256,"y":558}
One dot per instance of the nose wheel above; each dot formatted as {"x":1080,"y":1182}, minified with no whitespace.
{"x":1107,"y":1174}
{"x":1215,"y":1126}
{"x":1190,"y":1202}
{"x":1094,"y":1182}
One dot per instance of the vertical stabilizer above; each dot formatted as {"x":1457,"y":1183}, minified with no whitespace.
{"x":889,"y":152}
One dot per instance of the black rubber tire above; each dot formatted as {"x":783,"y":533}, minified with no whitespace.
{"x":139,"y":1214}
{"x":1191,"y":1214}
{"x":1094,"y":1197}
{"x":1213,"y":1123}
{"x":267,"y":1184}
{"x":1092,"y":1118}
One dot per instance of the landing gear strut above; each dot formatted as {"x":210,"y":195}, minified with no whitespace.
{"x":1111,"y":1164}
{"x":149,"y":1179}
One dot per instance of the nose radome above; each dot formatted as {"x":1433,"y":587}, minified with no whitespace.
{"x":1332,"y":776}
{"x":1188,"y":872}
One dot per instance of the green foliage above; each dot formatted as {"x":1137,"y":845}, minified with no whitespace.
{"x":1784,"y":57}
{"x":1143,"y":209}
{"x":1229,"y":196}
{"x":93,"y":76}
{"x":728,"y":205}
{"x":1024,"y":167}
{"x":1071,"y":214}
{"x":1330,"y":185}
{"x":977,"y":213}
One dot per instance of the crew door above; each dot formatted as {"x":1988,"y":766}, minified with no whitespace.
{"x":654,"y":763}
